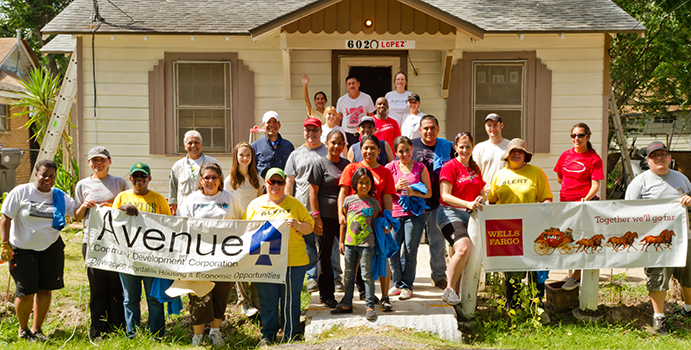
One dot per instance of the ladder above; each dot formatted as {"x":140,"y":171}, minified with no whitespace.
{"x":61,"y":112}
{"x":621,"y":139}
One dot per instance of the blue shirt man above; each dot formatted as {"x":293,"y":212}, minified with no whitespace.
{"x":272,"y":150}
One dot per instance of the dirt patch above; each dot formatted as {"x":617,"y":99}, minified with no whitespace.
{"x":357,"y":343}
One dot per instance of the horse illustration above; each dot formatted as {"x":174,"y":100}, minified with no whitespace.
{"x":594,"y":243}
{"x":665,"y":237}
{"x":625,"y":241}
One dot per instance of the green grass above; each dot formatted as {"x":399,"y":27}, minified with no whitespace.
{"x":68,"y":319}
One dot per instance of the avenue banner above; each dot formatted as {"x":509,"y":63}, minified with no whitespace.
{"x":186,"y":248}
{"x":588,"y":235}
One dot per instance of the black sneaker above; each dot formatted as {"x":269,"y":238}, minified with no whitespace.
{"x":385,"y":304}
{"x":330,"y":303}
{"x":27,"y":335}
{"x":659,"y":325}
{"x":340,"y":309}
{"x":40,"y":336}
{"x":441,"y":284}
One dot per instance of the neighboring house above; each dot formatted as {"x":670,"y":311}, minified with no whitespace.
{"x":16,"y":61}
{"x":674,"y":132}
{"x":217,"y":66}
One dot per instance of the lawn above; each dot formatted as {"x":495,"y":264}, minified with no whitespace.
{"x":625,"y":327}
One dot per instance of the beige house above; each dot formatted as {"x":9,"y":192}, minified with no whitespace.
{"x":162,"y":67}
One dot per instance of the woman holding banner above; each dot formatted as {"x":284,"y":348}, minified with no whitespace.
{"x":32,"y":216}
{"x":105,"y":288}
{"x":460,"y":186}
{"x":275,"y":204}
{"x":245,"y":182}
{"x":520,"y":182}
{"x":210,"y":201}
{"x":579,"y":171}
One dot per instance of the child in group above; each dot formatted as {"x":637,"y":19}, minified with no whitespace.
{"x":357,"y":240}
{"x":331,"y":124}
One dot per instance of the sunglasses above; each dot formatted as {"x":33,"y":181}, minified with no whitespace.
{"x":573,"y":136}
{"x":139,"y":175}
{"x":659,"y":155}
{"x":463,"y":134}
{"x":277,"y":182}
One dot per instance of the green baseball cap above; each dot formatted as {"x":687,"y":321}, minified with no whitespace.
{"x":275,"y":171}
{"x":139,"y":166}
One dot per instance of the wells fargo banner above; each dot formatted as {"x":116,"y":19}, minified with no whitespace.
{"x":188,"y":249}
{"x":589,"y":235}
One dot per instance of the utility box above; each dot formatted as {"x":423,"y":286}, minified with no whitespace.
{"x":9,"y":161}
{"x":560,"y":299}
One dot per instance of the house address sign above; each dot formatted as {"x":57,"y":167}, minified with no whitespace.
{"x":375,"y":44}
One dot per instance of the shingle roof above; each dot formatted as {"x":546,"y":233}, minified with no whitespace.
{"x":239,"y":17}
{"x":62,"y":43}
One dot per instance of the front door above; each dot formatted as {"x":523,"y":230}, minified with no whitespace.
{"x":374,"y":72}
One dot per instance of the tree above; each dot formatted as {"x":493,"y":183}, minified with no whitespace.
{"x":652,"y":73}
{"x":30,"y":16}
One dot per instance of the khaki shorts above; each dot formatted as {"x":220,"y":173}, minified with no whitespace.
{"x":658,"y":277}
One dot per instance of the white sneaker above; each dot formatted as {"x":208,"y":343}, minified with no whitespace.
{"x":544,"y":318}
{"x":248,"y":310}
{"x":394,"y":291}
{"x":405,"y":294}
{"x":197,"y":340}
{"x":570,"y":284}
{"x":217,"y":339}
{"x":450,"y":297}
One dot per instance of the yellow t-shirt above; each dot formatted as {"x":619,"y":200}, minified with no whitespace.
{"x":290,"y":208}
{"x":318,"y":115}
{"x":526,"y":185}
{"x":152,"y":202}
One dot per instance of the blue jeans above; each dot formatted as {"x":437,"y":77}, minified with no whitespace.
{"x":366,"y":255}
{"x":410,"y":233}
{"x":437,"y":247}
{"x":311,"y":243}
{"x":272,"y":296}
{"x":132,"y":290}
{"x":336,"y":259}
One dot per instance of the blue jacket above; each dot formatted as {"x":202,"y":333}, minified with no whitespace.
{"x":158,"y":291}
{"x":442,"y":153}
{"x":386,"y":246}
{"x":269,"y":157}
{"x":416,"y":205}
{"x":59,"y":209}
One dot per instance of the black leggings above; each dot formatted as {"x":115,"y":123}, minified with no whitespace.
{"x":454,"y":231}
{"x":325,"y":271}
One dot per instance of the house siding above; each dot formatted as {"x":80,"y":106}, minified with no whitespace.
{"x":123,"y":63}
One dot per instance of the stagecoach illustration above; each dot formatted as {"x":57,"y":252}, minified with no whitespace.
{"x":552,"y":239}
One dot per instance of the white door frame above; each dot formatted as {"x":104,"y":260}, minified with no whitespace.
{"x":345,"y":62}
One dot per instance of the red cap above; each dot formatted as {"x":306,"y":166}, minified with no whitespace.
{"x":313,"y":121}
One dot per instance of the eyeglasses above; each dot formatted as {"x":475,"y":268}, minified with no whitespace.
{"x":659,"y":155}
{"x":312,"y":130}
{"x":139,"y":175}
{"x":573,"y":136}
{"x":277,"y":182}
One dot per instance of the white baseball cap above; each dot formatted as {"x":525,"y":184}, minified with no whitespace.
{"x":270,"y":114}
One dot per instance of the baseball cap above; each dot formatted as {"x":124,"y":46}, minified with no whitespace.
{"x":414,"y":96}
{"x":275,"y":171}
{"x":366,"y":119}
{"x":139,"y":166}
{"x":270,"y":114}
{"x":313,"y":122}
{"x":493,"y":116}
{"x":98,"y":151}
{"x":654,"y":146}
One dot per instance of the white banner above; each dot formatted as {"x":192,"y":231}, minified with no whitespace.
{"x":589,"y":235}
{"x":188,"y":249}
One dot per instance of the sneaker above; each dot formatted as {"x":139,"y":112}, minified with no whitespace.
{"x":338,"y":285}
{"x":248,"y":310}
{"x":570,"y":284}
{"x":659,"y":325}
{"x":406,"y":294}
{"x":330,"y":303}
{"x":197,"y":340}
{"x":394,"y":291}
{"x":340,"y":309}
{"x":312,"y":286}
{"x":684,"y":313}
{"x":441,"y":284}
{"x":264,"y":342}
{"x":217,"y":339}
{"x":450,"y":297}
{"x":370,"y":315}
{"x":544,"y":318}
{"x":385,"y":304}
{"x":40,"y":336}
{"x":27,"y":335}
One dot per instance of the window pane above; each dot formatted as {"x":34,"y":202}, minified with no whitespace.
{"x":185,"y":118}
{"x":202,"y":117}
{"x":512,"y":120}
{"x":219,"y":139}
{"x":498,"y":84}
{"x":201,"y":84}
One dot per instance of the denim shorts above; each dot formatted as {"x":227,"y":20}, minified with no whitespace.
{"x":447,"y":215}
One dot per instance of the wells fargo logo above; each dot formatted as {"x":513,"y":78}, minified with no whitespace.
{"x":504,"y":237}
